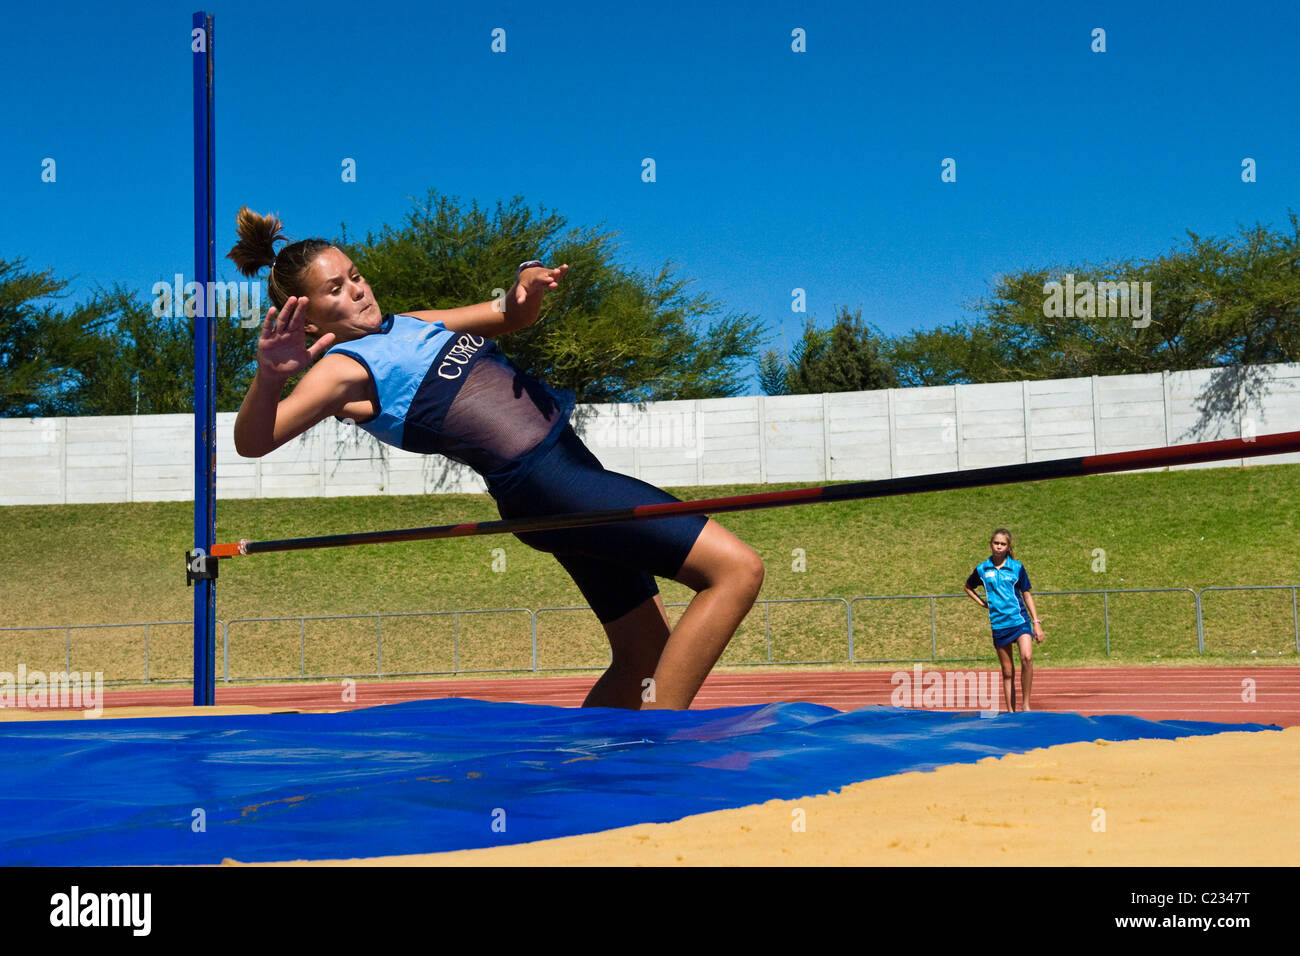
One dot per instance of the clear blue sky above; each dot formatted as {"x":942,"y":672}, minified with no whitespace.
{"x":775,"y":169}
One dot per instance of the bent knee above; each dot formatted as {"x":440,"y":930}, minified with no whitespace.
{"x":742,"y":573}
{"x":749,"y":570}
{"x":719,"y":559}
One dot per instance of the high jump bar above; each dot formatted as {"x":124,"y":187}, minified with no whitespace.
{"x":850,"y":491}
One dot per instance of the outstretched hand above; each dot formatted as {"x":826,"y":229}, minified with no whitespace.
{"x":282,"y":349}
{"x":535,"y":280}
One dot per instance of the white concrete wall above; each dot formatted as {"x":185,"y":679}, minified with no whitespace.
{"x":798,"y":438}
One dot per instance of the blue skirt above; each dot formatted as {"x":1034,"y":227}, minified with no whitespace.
{"x":1003,"y":636}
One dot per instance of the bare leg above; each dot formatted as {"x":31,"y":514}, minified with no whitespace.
{"x":1026,"y":644}
{"x":726,"y":575}
{"x":636,"y":639}
{"x":1008,"y":678}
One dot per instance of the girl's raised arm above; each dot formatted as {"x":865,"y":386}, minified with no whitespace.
{"x":517,"y":310}
{"x":264,"y":422}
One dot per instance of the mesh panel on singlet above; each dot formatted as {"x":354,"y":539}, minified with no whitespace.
{"x":499,"y":414}
{"x":456,"y":394}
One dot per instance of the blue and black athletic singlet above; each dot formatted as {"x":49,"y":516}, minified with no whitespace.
{"x":456,"y":394}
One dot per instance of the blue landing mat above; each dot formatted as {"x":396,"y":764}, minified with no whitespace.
{"x":451,"y":774}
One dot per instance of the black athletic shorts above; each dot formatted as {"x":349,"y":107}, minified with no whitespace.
{"x":613,"y":565}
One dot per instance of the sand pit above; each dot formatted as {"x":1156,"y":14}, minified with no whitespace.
{"x":1225,"y":800}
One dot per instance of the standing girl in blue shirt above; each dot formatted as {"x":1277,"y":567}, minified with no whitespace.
{"x":1012,"y":614}
{"x":434,"y":381}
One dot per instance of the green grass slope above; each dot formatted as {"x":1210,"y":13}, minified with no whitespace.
{"x":1220,"y":527}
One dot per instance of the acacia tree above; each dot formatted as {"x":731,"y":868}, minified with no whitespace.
{"x":1214,"y":303}
{"x":609,"y":333}
{"x":947,"y":355}
{"x":32,"y":338}
{"x":130,"y":361}
{"x":108,"y":355}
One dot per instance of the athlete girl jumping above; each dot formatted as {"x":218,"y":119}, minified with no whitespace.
{"x":435,"y":382}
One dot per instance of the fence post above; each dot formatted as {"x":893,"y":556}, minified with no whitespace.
{"x":1295,"y":619}
{"x":848,"y":609}
{"x":1200,"y":624}
{"x":1105,"y":603}
{"x":934,"y":644}
{"x":767,"y":624}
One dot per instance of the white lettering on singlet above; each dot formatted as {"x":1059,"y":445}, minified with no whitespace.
{"x":459,"y":354}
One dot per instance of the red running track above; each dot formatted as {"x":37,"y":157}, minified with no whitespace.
{"x":1265,"y":695}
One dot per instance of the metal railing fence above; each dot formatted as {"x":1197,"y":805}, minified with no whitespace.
{"x":846,"y":636}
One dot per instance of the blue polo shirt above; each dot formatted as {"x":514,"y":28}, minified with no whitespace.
{"x":1002,"y":587}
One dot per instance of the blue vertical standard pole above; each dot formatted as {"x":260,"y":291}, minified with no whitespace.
{"x":205,"y":341}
